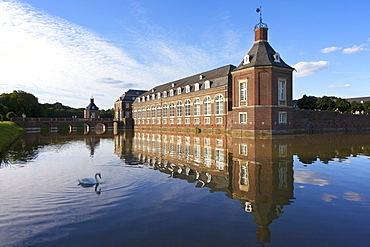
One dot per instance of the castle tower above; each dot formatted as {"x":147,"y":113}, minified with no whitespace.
{"x":262,"y":89}
{"x":92,"y":111}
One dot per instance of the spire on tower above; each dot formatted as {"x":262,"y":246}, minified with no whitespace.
{"x":260,"y":24}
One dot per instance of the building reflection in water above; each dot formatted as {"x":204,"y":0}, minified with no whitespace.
{"x":256,"y":171}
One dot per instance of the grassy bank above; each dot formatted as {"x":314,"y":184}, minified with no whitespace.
{"x":9,"y":132}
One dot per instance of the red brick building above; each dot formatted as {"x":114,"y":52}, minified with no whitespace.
{"x":255,"y":97}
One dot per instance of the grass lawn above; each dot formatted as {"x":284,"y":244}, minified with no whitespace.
{"x":9,"y":132}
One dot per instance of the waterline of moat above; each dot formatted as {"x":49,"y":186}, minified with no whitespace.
{"x":181,"y":189}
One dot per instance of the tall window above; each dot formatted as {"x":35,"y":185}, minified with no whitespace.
{"x":187,"y":108}
{"x":148,"y":112}
{"x":179,"y":109}
{"x":207,"y":106}
{"x":172,"y":109}
{"x":153,"y":111}
{"x":165,"y":109}
{"x":243,"y":90}
{"x":139,"y":113}
{"x":282,"y":91}
{"x":196,"y":107}
{"x":159,"y":111}
{"x":219,"y":104}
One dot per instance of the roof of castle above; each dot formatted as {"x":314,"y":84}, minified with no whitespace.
{"x":359,"y":99}
{"x":217,"y":77}
{"x":262,"y":54}
{"x":131,"y":95}
{"x":92,"y":105}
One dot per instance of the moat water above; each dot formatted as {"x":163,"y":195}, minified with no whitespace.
{"x":178,"y":189}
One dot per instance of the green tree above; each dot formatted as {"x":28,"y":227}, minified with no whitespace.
{"x":307,"y":103}
{"x":366,"y":106}
{"x":342,"y":105}
{"x":326,"y":103}
{"x":107,"y":113}
{"x":21,"y":102}
{"x":357,"y":107}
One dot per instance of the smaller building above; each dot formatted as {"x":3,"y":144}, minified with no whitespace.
{"x":123,"y":108}
{"x":92,"y":111}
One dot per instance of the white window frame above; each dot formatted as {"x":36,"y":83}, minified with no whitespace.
{"x":243,"y":96}
{"x":243,"y":117}
{"x":282,"y":117}
{"x":219,"y":105}
{"x":207,"y":103}
{"x":196,"y":105}
{"x":187,"y":89}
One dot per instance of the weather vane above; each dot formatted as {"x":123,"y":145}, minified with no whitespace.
{"x":260,"y":24}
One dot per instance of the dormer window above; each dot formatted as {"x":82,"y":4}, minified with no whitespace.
{"x":138,"y":100}
{"x":207,"y":84}
{"x":196,"y":87}
{"x":143,"y":99}
{"x":147,"y":97}
{"x":179,"y":91}
{"x":173,"y":84}
{"x":158,"y":95}
{"x":153,"y":96}
{"x":187,"y":89}
{"x":153,"y":89}
{"x":277,"y":57}
{"x":164,"y":94}
{"x":247,"y":59}
{"x":171,"y":92}
{"x":201,"y":77}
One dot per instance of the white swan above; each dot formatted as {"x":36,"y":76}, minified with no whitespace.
{"x":90,"y":181}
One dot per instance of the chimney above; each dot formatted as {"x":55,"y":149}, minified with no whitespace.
{"x":260,"y":34}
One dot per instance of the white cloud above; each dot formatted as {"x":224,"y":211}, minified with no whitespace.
{"x":309,"y":68}
{"x":304,"y":176}
{"x":353,"y":49}
{"x":331,"y":49}
{"x":339,"y":86}
{"x":59,"y":61}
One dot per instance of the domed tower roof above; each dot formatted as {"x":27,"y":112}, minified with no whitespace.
{"x":92,"y":105}
{"x":261,"y":53}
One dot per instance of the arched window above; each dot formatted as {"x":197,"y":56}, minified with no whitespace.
{"x":139,"y":113}
{"x":172,"y":109}
{"x":159,"y":111}
{"x":219,"y":104}
{"x":196,"y":107}
{"x":153,"y":111}
{"x":187,"y":108}
{"x":165,"y":109}
{"x":179,"y":109}
{"x":148,"y":112}
{"x":207,"y":106}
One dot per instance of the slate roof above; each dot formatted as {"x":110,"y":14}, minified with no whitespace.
{"x":131,"y":95}
{"x":217,"y":77}
{"x":262,"y":54}
{"x":92,"y":105}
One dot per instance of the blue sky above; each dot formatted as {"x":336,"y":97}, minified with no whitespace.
{"x":67,"y":51}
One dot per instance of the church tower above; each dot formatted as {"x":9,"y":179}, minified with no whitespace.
{"x":262,"y":89}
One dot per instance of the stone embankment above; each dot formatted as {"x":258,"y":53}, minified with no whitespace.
{"x":9,"y":132}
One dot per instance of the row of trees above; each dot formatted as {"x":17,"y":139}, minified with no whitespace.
{"x":19,"y":102}
{"x":332,"y":103}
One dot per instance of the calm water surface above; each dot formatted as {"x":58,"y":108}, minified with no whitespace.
{"x":177,"y":189}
